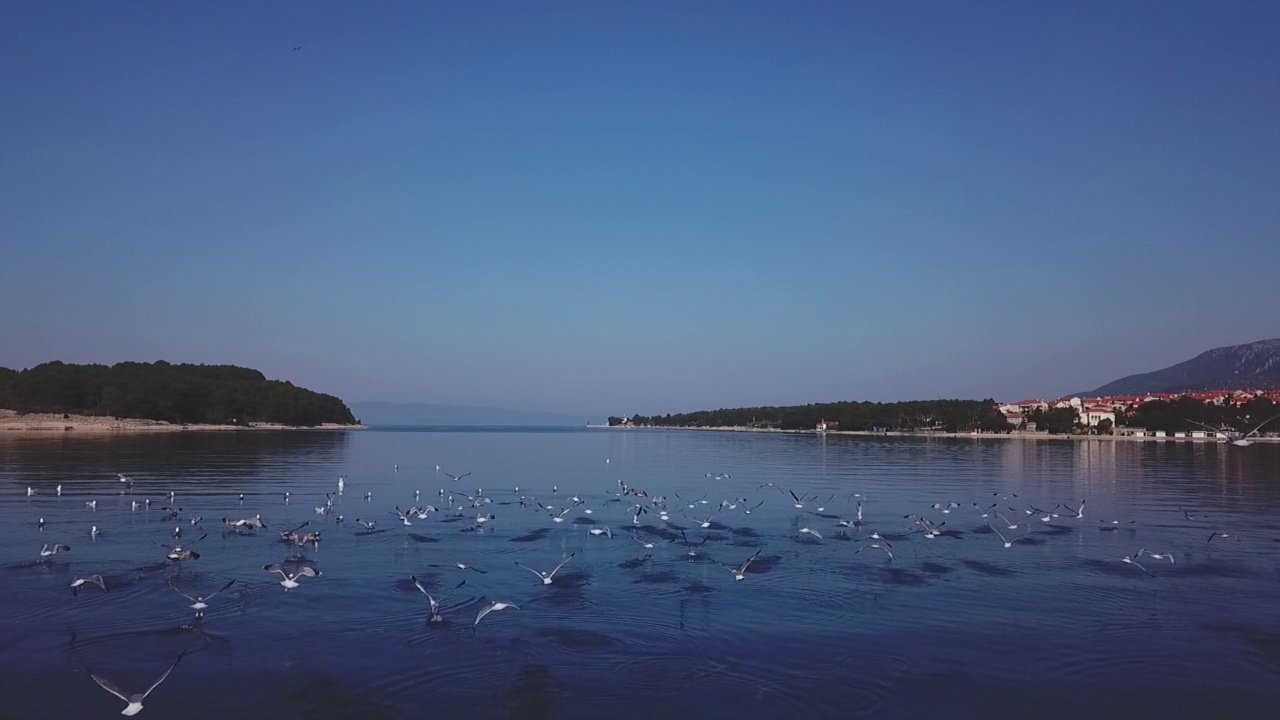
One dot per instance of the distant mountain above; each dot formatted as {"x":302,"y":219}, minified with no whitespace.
{"x":1238,"y":367}
{"x":391,"y":413}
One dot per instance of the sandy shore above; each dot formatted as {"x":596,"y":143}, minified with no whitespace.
{"x":11,"y":421}
{"x":1015,"y":435}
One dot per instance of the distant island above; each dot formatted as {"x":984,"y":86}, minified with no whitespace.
{"x":162,"y":393}
{"x":943,"y":415}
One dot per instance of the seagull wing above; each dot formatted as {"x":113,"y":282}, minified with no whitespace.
{"x":454,"y":590}
{"x":162,"y":678}
{"x":418,"y":584}
{"x":110,"y":687}
{"x":755,"y":555}
{"x":175,"y":589}
{"x":224,"y":587}
{"x":276,"y":568}
{"x":1260,"y":425}
{"x":1207,"y":427}
{"x":562,"y":562}
{"x":526,"y":567}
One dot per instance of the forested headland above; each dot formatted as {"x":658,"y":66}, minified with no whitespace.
{"x":180,"y":394}
{"x":936,"y":415}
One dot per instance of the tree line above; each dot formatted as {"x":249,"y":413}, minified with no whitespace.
{"x":915,"y":415}
{"x":181,"y":393}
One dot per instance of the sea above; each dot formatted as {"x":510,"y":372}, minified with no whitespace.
{"x":824,"y":624}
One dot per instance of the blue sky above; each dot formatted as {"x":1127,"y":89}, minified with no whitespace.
{"x":641,"y":207}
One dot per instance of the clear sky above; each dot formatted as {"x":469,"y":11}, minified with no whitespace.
{"x":608,"y":207}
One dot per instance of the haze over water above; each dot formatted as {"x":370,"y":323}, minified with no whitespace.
{"x":957,"y":626}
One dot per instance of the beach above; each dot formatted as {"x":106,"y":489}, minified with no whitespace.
{"x":11,"y":421}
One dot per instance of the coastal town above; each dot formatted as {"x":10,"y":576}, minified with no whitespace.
{"x":1107,"y":414}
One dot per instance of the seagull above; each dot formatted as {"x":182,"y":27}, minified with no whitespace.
{"x":747,"y":510}
{"x":1156,"y":556}
{"x":435,"y":604}
{"x":1007,"y":542}
{"x":292,"y":535}
{"x":134,"y":700}
{"x":91,"y":580}
{"x":926,"y":526}
{"x":254,"y":522}
{"x":881,"y":545}
{"x":482,"y":518}
{"x":1114,"y":523}
{"x":1223,"y":535}
{"x":692,"y":549}
{"x":48,"y":550}
{"x":648,"y":545}
{"x":177,"y":552}
{"x":987,"y":512}
{"x":124,"y":478}
{"x":493,"y":607}
{"x":472,"y":568}
{"x":691,"y":504}
{"x":799,"y":503}
{"x":946,"y":509}
{"x":368,"y":525}
{"x":1130,"y":561}
{"x":94,"y":532}
{"x":718,"y":476}
{"x":455,"y":478}
{"x":1192,"y":516}
{"x":1079,"y":511}
{"x":404,"y":517}
{"x":1237,"y":438}
{"x":30,"y":491}
{"x":291,"y":580}
{"x":40,"y":523}
{"x":1009,"y":525}
{"x":546,"y":577}
{"x":58,"y":490}
{"x":198,"y":603}
{"x":740,"y":573}
{"x":602,"y":530}
{"x":814,"y":533}
{"x":704,"y":524}
{"x":92,"y":504}
{"x":342,"y":485}
{"x":557,"y":517}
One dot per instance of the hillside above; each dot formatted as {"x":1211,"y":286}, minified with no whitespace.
{"x":201,"y":394}
{"x":1252,"y":365}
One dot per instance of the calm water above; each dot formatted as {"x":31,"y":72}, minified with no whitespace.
{"x":957,"y":626}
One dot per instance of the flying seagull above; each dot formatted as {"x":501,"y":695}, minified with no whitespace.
{"x":198,"y":603}
{"x":291,"y":579}
{"x":740,"y":573}
{"x":435,"y":604}
{"x":493,"y":607}
{"x":546,"y":577}
{"x":134,"y":700}
{"x":91,"y":580}
{"x":1236,"y":437}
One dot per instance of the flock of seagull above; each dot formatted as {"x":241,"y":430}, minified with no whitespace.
{"x":650,"y":517}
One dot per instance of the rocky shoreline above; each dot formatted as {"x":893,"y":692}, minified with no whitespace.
{"x":11,"y":421}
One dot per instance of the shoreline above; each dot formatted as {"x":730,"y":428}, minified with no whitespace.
{"x":1015,"y":435}
{"x":13,"y":422}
